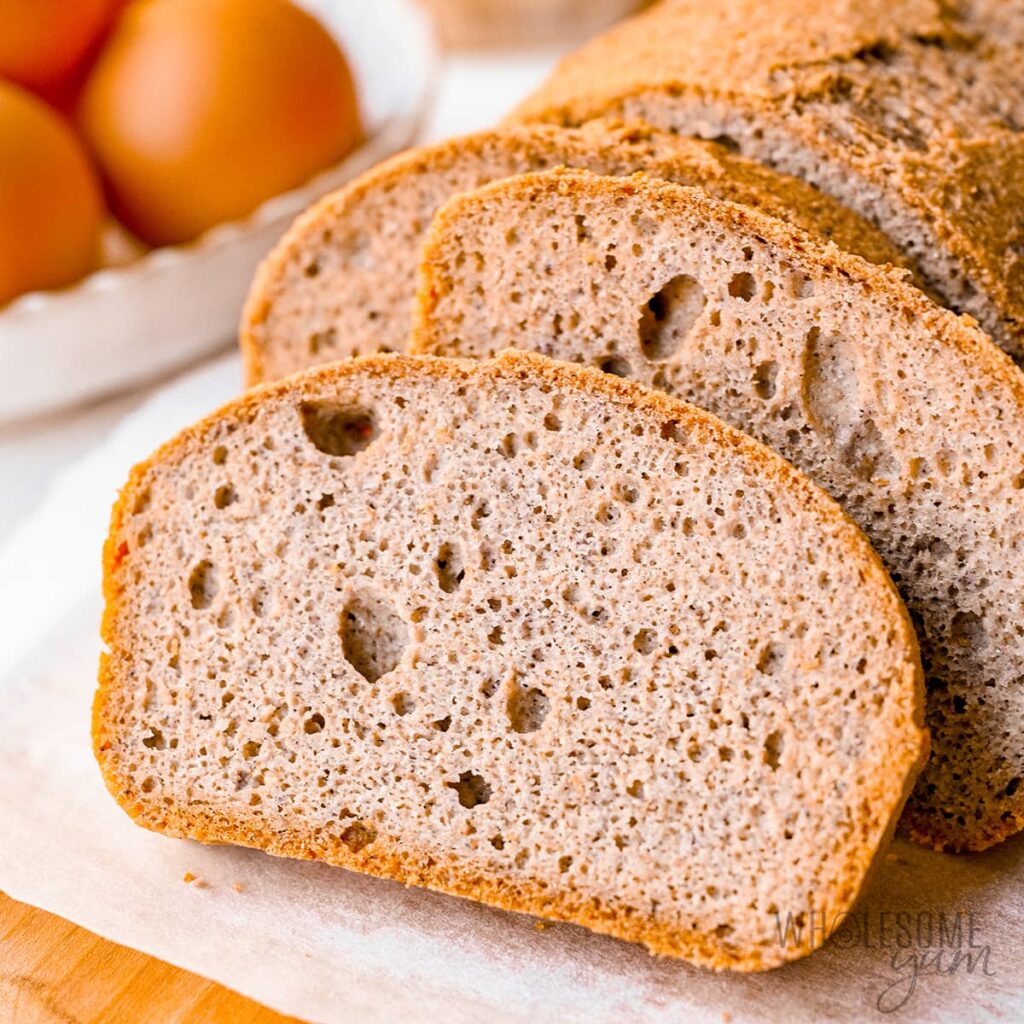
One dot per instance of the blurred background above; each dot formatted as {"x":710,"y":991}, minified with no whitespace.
{"x":152,"y":151}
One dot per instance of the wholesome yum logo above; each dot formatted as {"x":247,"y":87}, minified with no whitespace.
{"x":916,"y":944}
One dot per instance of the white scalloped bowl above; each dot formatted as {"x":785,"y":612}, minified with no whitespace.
{"x":122,"y":325}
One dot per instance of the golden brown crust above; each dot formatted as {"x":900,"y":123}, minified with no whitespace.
{"x":889,"y":787}
{"x":742,"y":48}
{"x":605,"y":145}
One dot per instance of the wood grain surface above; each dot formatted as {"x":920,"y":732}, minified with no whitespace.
{"x":53,"y":972}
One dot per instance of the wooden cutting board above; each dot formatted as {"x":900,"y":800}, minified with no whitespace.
{"x":53,"y":972}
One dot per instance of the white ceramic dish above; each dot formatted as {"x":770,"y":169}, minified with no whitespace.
{"x":122,"y":325}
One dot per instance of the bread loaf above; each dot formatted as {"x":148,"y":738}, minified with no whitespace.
{"x":907,"y":111}
{"x":907,"y":415}
{"x":516,"y":631}
{"x":341,"y":281}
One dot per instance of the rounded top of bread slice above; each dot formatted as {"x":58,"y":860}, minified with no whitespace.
{"x":518,"y":631}
{"x":341,"y":281}
{"x":908,"y":415}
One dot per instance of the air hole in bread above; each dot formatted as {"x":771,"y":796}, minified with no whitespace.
{"x":967,"y":630}
{"x":509,"y":446}
{"x":771,"y":659}
{"x":358,"y":836}
{"x":773,"y":750}
{"x":868,"y":454}
{"x":155,"y":740}
{"x":800,"y":286}
{"x":449,"y":568}
{"x":403,"y":703}
{"x":320,"y":341}
{"x":830,"y":386}
{"x":625,"y":492}
{"x":645,"y":641}
{"x":471,"y":789}
{"x":313,"y":724}
{"x":142,"y":500}
{"x":202,"y":585}
{"x":373,"y":636}
{"x":743,"y":286}
{"x":526,"y":708}
{"x":764,"y":379}
{"x":668,"y":316}
{"x":341,"y":430}
{"x":224,"y":496}
{"x":616,"y":367}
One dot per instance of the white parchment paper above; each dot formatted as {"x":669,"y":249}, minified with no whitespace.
{"x":329,"y":945}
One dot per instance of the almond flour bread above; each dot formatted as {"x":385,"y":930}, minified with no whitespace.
{"x":341,"y":281}
{"x":907,"y":415}
{"x":516,"y":631}
{"x":908,"y":111}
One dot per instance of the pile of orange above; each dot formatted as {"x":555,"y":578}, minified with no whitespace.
{"x":170,"y":115}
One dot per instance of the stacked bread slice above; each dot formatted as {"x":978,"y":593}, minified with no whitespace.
{"x":556,"y":637}
{"x":912,"y":419}
{"x":518,"y":631}
{"x":341,"y":282}
{"x":909,"y":112}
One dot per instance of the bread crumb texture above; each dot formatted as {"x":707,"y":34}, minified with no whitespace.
{"x":341,"y":282}
{"x":909,"y":112}
{"x":517,"y":631}
{"x":907,"y":415}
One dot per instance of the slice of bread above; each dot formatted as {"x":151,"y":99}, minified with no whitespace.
{"x":341,"y":281}
{"x":908,"y":111}
{"x":517,"y":631}
{"x":906,"y":414}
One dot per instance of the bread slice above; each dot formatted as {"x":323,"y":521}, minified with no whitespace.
{"x":341,"y":281}
{"x":517,"y":631}
{"x":907,"y":111}
{"x":906,"y":414}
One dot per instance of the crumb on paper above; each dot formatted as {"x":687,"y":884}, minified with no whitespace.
{"x":238,"y":887}
{"x":539,"y":926}
{"x":188,"y":877}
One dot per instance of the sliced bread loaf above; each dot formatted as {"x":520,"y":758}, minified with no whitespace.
{"x":516,"y":631}
{"x":341,"y":281}
{"x":907,"y":415}
{"x":908,"y":111}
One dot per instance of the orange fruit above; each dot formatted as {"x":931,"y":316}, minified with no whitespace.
{"x":198,"y":110}
{"x":42,"y":41}
{"x":50,"y":200}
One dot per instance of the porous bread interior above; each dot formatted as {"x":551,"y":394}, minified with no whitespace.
{"x":908,"y":112}
{"x":514,"y":630}
{"x":341,"y":282}
{"x":910,"y":419}
{"x":947,"y":269}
